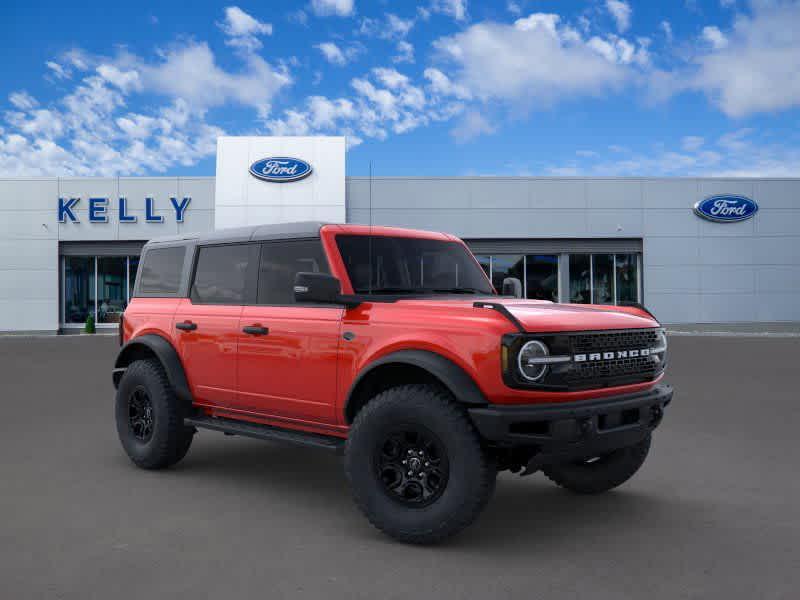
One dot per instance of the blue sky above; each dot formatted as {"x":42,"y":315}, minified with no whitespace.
{"x":437,"y":87}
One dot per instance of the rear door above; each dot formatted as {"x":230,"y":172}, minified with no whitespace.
{"x":288,"y":351}
{"x":207,"y":323}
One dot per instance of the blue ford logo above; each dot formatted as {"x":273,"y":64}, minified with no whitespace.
{"x":280,"y":169}
{"x":726,"y":209}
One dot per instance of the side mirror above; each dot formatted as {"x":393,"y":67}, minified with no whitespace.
{"x":317,"y":287}
{"x":512,"y":287}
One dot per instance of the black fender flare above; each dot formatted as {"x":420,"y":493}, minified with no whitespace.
{"x":165,"y":353}
{"x":452,"y":376}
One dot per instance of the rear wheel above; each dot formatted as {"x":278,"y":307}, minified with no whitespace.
{"x":416,"y":466}
{"x":601,"y":473}
{"x":150,"y":418}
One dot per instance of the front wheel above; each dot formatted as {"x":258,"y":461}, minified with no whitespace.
{"x":150,"y":417}
{"x":416,"y":466}
{"x":601,"y":473}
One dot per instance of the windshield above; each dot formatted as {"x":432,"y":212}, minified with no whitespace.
{"x":410,"y":266}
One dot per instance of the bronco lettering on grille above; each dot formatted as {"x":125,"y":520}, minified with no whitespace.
{"x":594,"y":356}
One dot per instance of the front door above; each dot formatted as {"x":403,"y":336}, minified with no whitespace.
{"x":207,"y":323}
{"x":288,"y":351}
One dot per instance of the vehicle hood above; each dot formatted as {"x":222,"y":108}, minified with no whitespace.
{"x":539,"y":316}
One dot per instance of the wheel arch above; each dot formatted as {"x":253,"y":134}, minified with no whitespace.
{"x":152,"y":345}
{"x":411,"y":366}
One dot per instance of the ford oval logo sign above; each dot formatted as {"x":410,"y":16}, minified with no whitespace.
{"x":726,"y":209}
{"x":280,"y":169}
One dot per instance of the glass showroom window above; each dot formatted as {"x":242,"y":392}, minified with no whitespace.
{"x":507,"y":265}
{"x":627,"y":277}
{"x":580,"y":278}
{"x":541,"y":277}
{"x":604,"y":278}
{"x":538,"y":273}
{"x":100,"y":286}
{"x":112,"y":295}
{"x":79,"y":288}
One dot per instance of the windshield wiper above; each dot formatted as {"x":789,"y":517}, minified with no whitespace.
{"x":459,"y":290}
{"x":390,"y":290}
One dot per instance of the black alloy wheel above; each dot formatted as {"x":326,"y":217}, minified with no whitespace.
{"x":412,"y":465}
{"x":140,"y":414}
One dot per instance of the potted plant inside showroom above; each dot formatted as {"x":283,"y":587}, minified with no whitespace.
{"x":89,"y":327}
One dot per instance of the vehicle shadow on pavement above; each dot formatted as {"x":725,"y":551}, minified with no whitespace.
{"x":526,"y":514}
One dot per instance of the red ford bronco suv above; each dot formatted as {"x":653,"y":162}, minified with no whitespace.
{"x":392,"y":347}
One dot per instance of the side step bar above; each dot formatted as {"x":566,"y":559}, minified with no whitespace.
{"x":267,"y":432}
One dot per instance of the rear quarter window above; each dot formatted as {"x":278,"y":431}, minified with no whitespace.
{"x":161,"y":270}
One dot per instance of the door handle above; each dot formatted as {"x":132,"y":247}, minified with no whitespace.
{"x":256,"y":330}
{"x":186,"y":326}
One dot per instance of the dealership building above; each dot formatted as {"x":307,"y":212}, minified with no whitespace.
{"x":693,"y":250}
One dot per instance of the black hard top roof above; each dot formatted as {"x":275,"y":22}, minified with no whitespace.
{"x":256,"y":233}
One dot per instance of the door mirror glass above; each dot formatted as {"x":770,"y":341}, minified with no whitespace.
{"x":512,"y":287}
{"x":317,"y":287}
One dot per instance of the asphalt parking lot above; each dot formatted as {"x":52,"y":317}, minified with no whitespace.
{"x":714,"y":513}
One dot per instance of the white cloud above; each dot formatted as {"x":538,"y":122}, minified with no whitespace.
{"x":405,"y":53}
{"x":332,"y":53}
{"x":325,"y":8}
{"x":391,"y":27}
{"x":537,"y":60}
{"x":619,"y":50}
{"x":385,"y":101}
{"x":621,"y":11}
{"x":37,"y":123}
{"x":715,"y":37}
{"x":758,"y":70}
{"x":22,"y":100}
{"x":692,"y":143}
{"x":735,"y":154}
{"x":58,"y":70}
{"x":336,"y":55}
{"x":190,"y":72}
{"x":453,"y":8}
{"x":91,"y":131}
{"x":127,"y":80}
{"x":298,"y":16}
{"x":243,"y":29}
{"x":514,"y":8}
{"x":471,"y":125}
{"x":666,"y":27}
{"x":440,"y":84}
{"x":397,"y":26}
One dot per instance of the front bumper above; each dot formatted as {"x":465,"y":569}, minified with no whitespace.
{"x":559,"y":432}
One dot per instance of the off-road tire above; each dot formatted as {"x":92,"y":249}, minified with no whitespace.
{"x":606,"y":473}
{"x":472,"y":473}
{"x":170,"y":439}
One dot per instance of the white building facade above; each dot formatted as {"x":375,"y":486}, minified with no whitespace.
{"x":69,"y":247}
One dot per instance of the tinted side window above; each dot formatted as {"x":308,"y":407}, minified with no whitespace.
{"x":280,"y":262}
{"x":161,"y":270}
{"x":221,"y":274}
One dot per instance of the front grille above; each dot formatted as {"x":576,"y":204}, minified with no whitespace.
{"x":618,"y":340}
{"x":599,"y":373}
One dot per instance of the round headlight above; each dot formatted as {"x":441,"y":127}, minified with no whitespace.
{"x":531,"y":360}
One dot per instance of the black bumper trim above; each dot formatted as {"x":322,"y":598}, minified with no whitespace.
{"x":577,"y":428}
